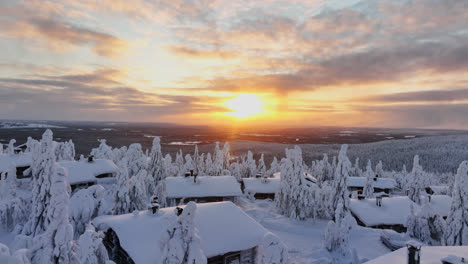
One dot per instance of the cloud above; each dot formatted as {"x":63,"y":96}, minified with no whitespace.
{"x":421,"y":96}
{"x":189,"y":52}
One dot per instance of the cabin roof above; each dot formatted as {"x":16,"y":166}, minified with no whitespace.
{"x":381,"y":183}
{"x":429,"y":255}
{"x":20,"y":160}
{"x":394,"y":210}
{"x":84,"y":171}
{"x":257,"y":185}
{"x":222,"y":227}
{"x":206,"y":186}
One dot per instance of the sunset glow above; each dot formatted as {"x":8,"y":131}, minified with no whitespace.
{"x":245,"y":105}
{"x":350,"y":62}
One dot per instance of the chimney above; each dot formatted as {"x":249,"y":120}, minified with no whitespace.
{"x":414,"y":252}
{"x":378,"y":201}
{"x":90,"y":158}
{"x":154,"y":206}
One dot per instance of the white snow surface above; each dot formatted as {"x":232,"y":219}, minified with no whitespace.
{"x":429,"y":255}
{"x":381,"y":183}
{"x":223,"y":228}
{"x":20,"y":160}
{"x":206,"y":186}
{"x":394,"y":210}
{"x":84,"y":171}
{"x":257,"y":185}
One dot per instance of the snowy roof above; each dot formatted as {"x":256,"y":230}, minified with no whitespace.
{"x":206,"y":186}
{"x":84,"y":171}
{"x":277,"y":175}
{"x":443,"y":189}
{"x":257,"y":185}
{"x":394,"y":210}
{"x":381,"y":183}
{"x":223,"y":228}
{"x":429,"y":255}
{"x":20,"y":160}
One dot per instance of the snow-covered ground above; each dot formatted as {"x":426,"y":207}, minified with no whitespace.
{"x":304,"y":238}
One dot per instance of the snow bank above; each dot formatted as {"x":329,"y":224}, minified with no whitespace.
{"x":223,"y":228}
{"x":20,"y":160}
{"x":84,"y":171}
{"x":206,"y":186}
{"x":381,"y":183}
{"x":258,"y":185}
{"x":394,"y":210}
{"x":429,"y":255}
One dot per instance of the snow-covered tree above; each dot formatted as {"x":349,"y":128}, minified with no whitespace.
{"x":92,"y":250}
{"x":20,"y":256}
{"x":417,"y":181}
{"x":188,"y":166}
{"x":121,"y":195}
{"x":261,"y":169}
{"x":56,"y":244}
{"x":356,"y":170}
{"x":456,"y":233}
{"x":226,"y":156}
{"x":274,"y":167}
{"x":136,"y":159}
{"x":179,"y":162}
{"x":156,"y":169}
{"x":104,"y":151}
{"x":208,"y":165}
{"x":65,"y":150}
{"x":272,"y":251}
{"x":13,"y":210}
{"x":368,"y":190}
{"x":379,"y":169}
{"x":426,"y":226}
{"x":85,"y":205}
{"x":137,"y":192}
{"x":336,"y":237}
{"x":11,"y":147}
{"x":236,"y":170}
{"x":339,"y":188}
{"x":201,"y":165}
{"x":181,"y":242}
{"x":218,"y":159}
{"x":43,"y":163}
{"x":250,"y":167}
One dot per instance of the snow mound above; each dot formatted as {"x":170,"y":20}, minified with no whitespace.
{"x":223,"y":228}
{"x":206,"y":186}
{"x":84,"y":171}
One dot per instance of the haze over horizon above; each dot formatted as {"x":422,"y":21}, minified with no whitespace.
{"x":238,"y":63}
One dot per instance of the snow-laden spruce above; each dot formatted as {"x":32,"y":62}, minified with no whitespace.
{"x":85,"y":205}
{"x":20,"y":256}
{"x":121,"y":195}
{"x":136,"y":159}
{"x":249,"y":167}
{"x":56,"y":244}
{"x":261,"y":168}
{"x":65,"y":151}
{"x":339,"y":188}
{"x":272,"y":251}
{"x":181,"y":242}
{"x":13,"y":209}
{"x":417,"y":182}
{"x":218,"y":159}
{"x":274,"y":167}
{"x":426,"y":226}
{"x":92,"y":251}
{"x":368,"y":190}
{"x":43,"y":163}
{"x":104,"y":151}
{"x":137,"y":192}
{"x":456,"y":233}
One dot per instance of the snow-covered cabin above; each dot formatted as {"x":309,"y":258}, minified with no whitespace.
{"x":442,"y":189}
{"x":261,"y":188}
{"x":201,"y":189}
{"x":22,"y":162}
{"x":227,"y":234}
{"x":84,"y":173}
{"x":394,"y":211}
{"x":380,"y":184}
{"x":428,"y":255}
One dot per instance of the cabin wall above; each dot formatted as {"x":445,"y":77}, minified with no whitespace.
{"x":114,"y":250}
{"x":177,"y":201}
{"x":237,"y":257}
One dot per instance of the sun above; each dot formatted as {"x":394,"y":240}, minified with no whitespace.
{"x":245,"y":105}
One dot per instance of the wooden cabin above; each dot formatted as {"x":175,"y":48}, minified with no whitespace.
{"x":22,"y":162}
{"x":261,"y":188}
{"x":227,"y":234}
{"x":85,"y":173}
{"x":201,"y":189}
{"x":428,"y":254}
{"x":386,"y":185}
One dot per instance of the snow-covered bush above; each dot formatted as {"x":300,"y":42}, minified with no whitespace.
{"x":85,"y":205}
{"x":181,"y":242}
{"x":92,"y":250}
{"x":272,"y":251}
{"x":426,"y":226}
{"x":56,"y":244}
{"x":456,"y":233}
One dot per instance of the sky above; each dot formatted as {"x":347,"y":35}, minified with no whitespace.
{"x":399,"y":63}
